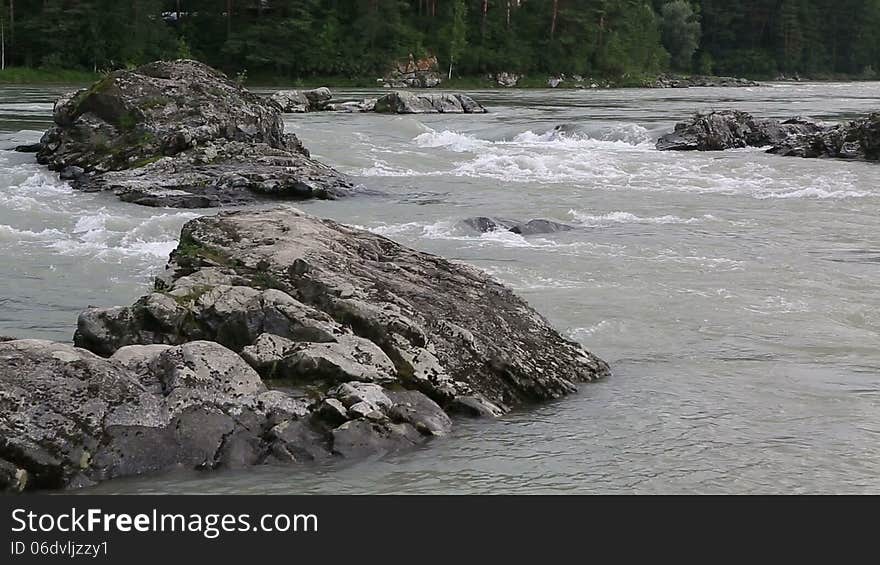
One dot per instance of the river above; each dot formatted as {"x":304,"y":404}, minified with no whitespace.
{"x":734,"y":294}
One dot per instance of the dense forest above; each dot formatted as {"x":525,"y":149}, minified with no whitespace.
{"x":359,"y":38}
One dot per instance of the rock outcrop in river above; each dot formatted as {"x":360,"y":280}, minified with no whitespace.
{"x":403,"y":102}
{"x":178,"y":133}
{"x":369,"y":347}
{"x":700,"y":81}
{"x":302,"y":101}
{"x":800,"y":137}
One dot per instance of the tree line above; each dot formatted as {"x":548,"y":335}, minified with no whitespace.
{"x":360,"y":38}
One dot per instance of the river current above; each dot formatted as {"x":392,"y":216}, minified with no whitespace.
{"x":731,"y":292}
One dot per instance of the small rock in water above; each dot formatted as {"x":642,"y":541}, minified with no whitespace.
{"x":485,"y":224}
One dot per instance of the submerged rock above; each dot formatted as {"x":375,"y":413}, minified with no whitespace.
{"x":485,"y":224}
{"x":799,"y":137}
{"x":178,"y":133}
{"x":402,"y":102}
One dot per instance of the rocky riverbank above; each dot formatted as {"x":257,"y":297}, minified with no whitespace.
{"x":798,"y":137}
{"x":274,"y":337}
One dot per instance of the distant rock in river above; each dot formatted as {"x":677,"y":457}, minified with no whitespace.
{"x":800,"y":137}
{"x":404,"y":102}
{"x":179,"y":133}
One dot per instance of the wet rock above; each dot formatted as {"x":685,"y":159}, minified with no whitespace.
{"x":447,"y":329}
{"x":416,"y":409}
{"x":401,"y":102}
{"x":180,"y":134}
{"x":357,"y":439}
{"x":798,"y":137}
{"x":297,"y":441}
{"x":729,"y":129}
{"x":71,"y":418}
{"x":474,"y":407}
{"x":485,"y":224}
{"x":384,"y":340}
{"x":301,"y":101}
{"x":858,"y":139}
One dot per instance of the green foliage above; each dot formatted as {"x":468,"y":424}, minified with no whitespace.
{"x":298,"y":41}
{"x":681,"y":32}
{"x":456,"y":32}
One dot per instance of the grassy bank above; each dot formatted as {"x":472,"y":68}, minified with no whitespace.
{"x":24,"y":75}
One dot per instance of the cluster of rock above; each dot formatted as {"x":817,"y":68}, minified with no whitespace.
{"x":273,"y":337}
{"x":302,"y":101}
{"x":396,"y":102}
{"x":696,"y":81}
{"x":403,"y":102}
{"x":577,"y":81}
{"x":800,"y":137}
{"x":317,"y":100}
{"x":413,"y":73}
{"x":369,"y":347}
{"x":178,"y":133}
{"x":505,"y":79}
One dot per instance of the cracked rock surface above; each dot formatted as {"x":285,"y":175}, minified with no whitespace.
{"x":275,"y":337}
{"x":181,"y":134}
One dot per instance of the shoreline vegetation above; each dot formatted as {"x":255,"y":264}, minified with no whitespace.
{"x":424,"y":42}
{"x":26,"y":75}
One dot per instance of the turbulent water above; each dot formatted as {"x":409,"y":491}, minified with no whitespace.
{"x":733,"y":293}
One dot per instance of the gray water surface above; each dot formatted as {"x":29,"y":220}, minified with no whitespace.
{"x":733,"y":293}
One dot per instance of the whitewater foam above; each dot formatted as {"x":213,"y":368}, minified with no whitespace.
{"x":629,"y":218}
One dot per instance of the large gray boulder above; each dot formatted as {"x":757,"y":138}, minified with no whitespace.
{"x":448,"y":330}
{"x":403,"y":102}
{"x":72,"y":418}
{"x":369,"y":347}
{"x":179,"y":133}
